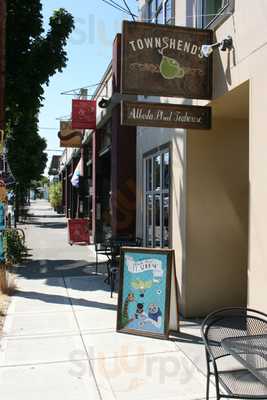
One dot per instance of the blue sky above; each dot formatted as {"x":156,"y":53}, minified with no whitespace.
{"x":89,"y":52}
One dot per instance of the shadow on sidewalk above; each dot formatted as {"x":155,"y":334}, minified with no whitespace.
{"x":54,"y":225}
{"x":36,"y":216}
{"x":80,"y":283}
{"x":57,"y":299}
{"x":183,"y":337}
{"x":40,"y":269}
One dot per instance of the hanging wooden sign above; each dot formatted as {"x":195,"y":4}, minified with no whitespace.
{"x":165,"y":115}
{"x":163,"y":60}
{"x":147,"y":303}
{"x":69,"y":137}
{"x":83,"y":114}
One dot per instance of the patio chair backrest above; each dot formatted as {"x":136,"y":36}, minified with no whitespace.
{"x":231,"y":322}
{"x":101,"y":247}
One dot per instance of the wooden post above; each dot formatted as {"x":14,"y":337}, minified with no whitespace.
{"x":123,"y":177}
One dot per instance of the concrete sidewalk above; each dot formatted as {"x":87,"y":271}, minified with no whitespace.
{"x":59,"y":340}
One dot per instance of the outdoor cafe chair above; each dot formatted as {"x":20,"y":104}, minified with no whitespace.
{"x":238,"y":325}
{"x":115,"y":246}
{"x":102,"y":248}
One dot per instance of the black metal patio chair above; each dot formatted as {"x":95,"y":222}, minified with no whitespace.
{"x":238,"y":325}
{"x":102,"y":248}
{"x":115,"y":245}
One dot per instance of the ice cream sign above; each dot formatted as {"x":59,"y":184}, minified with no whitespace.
{"x":153,"y":265}
{"x":147,"y":303}
{"x":164,"y":60}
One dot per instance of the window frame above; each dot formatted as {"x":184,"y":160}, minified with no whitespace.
{"x":171,"y":20}
{"x":223,"y":14}
{"x":153,"y":192}
{"x":161,"y":7}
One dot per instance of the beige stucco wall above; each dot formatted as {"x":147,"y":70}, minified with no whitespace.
{"x":248,"y":61}
{"x":245,"y":63}
{"x":217,"y":217}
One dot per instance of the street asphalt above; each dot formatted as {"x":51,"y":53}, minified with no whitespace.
{"x":59,"y":340}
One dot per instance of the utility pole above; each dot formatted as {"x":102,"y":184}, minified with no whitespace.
{"x":2,"y":61}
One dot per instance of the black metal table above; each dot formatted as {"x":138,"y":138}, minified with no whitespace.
{"x":251,"y":352}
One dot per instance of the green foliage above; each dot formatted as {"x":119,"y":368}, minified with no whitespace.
{"x":43,"y":181}
{"x":32,"y":58}
{"x":14,"y":247}
{"x":55,"y":194}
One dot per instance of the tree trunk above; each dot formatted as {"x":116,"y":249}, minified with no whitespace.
{"x":2,"y":61}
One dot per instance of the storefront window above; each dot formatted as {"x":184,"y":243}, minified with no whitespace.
{"x":149,"y":175}
{"x":166,"y":202}
{"x":156,"y":170}
{"x":166,"y":171}
{"x":157,"y":221}
{"x":156,"y":200}
{"x":149,"y":215}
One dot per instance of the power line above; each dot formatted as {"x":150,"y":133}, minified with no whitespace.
{"x":48,"y":129}
{"x":72,"y":91}
{"x":46,"y":150}
{"x":128,"y":8}
{"x":117,"y":6}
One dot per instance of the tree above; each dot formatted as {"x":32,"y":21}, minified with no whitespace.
{"x":32,"y":58}
{"x":2,"y":59}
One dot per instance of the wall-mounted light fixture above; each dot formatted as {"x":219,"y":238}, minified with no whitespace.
{"x":104,"y":103}
{"x":207,"y":49}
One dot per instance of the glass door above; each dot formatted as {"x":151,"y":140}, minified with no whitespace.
{"x":156,"y":199}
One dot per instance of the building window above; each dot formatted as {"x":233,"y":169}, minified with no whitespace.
{"x":161,"y":11}
{"x":156,"y":199}
{"x":212,"y":13}
{"x":169,"y":12}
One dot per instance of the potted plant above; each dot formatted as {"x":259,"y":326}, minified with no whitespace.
{"x":55,"y":196}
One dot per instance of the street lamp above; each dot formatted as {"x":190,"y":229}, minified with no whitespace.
{"x":207,"y":49}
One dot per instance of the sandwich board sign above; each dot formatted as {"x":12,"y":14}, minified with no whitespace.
{"x":147,"y":304}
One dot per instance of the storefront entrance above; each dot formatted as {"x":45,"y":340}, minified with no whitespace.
{"x":157,"y":198}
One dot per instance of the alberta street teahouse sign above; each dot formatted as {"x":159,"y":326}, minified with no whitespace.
{"x":165,"y":115}
{"x":162,"y":60}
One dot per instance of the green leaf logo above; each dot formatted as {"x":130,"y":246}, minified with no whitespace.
{"x":171,"y":69}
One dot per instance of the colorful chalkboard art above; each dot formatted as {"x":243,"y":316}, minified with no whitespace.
{"x":144,"y":292}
